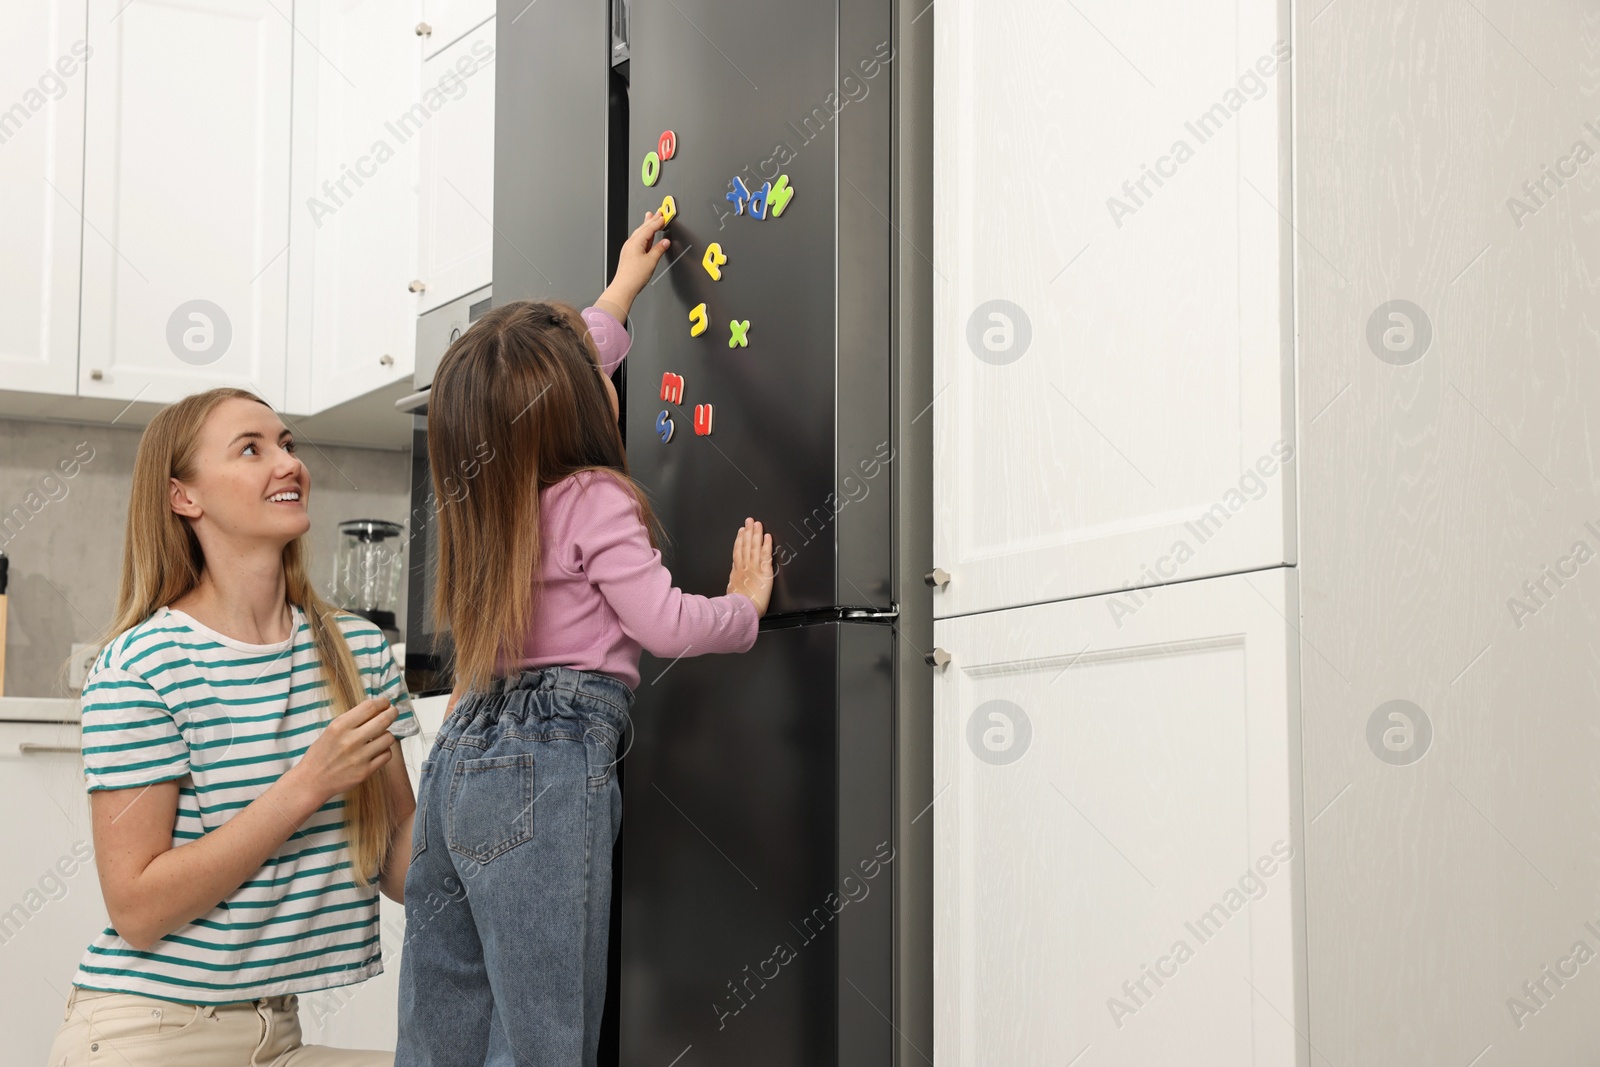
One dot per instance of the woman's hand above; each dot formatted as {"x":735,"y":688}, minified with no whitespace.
{"x":752,"y":565}
{"x":352,"y":748}
{"x":635,"y":266}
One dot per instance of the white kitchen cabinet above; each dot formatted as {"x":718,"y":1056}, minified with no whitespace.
{"x":1443,"y":488}
{"x":1111,"y":382}
{"x":450,"y":20}
{"x":456,"y":229}
{"x":1108,"y":790}
{"x":367,"y":1015}
{"x":185,"y":199}
{"x":358,"y":92}
{"x":43,"y":69}
{"x":49,"y":889}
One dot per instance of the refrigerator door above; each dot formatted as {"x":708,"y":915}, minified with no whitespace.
{"x":755,"y":866}
{"x":765,"y":97}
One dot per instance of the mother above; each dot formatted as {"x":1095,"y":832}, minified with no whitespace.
{"x":244,"y":774}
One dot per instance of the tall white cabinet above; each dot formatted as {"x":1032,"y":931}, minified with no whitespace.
{"x":1117,"y":824}
{"x":1263,"y":476}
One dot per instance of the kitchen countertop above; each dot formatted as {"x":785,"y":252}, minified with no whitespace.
{"x":38,"y":709}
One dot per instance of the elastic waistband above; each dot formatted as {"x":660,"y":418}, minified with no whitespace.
{"x":589,"y":685}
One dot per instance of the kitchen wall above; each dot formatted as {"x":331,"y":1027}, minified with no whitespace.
{"x":65,"y":542}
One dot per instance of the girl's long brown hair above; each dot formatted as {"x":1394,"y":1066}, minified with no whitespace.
{"x":517,"y":405}
{"x":162,"y":561}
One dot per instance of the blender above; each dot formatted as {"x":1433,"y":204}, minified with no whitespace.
{"x":367,"y":570}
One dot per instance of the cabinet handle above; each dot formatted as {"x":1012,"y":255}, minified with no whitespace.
{"x":424,"y":30}
{"x":97,"y":375}
{"x":937,"y":658}
{"x":386,"y":360}
{"x":417,"y":286}
{"x":28,"y":748}
{"x":938,"y":577}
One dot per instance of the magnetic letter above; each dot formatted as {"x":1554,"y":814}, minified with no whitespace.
{"x":758,"y":201}
{"x":667,"y":146}
{"x":652,"y":168}
{"x":702,"y":420}
{"x":664,"y":427}
{"x":739,"y":195}
{"x":713,"y":261}
{"x":736,"y":333}
{"x":668,"y":209}
{"x":671,"y":388}
{"x":782,"y":193}
{"x":697,"y":319}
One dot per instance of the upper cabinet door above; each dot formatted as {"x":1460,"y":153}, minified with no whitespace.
{"x":1118,"y":840}
{"x":360,"y":100}
{"x":1113,"y":350}
{"x":456,"y":232}
{"x":185,"y":198}
{"x":43,"y":70}
{"x":450,"y":20}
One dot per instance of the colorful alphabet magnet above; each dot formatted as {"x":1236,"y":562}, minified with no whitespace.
{"x":713,"y":261}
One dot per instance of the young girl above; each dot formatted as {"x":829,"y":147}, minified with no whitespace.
{"x":237,"y":830}
{"x":551,"y":583}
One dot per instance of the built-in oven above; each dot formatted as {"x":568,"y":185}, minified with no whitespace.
{"x":428,"y":646}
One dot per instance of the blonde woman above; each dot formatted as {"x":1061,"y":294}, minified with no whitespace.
{"x":247,"y":791}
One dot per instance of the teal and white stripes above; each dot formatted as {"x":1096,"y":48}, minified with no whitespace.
{"x":173,"y":700}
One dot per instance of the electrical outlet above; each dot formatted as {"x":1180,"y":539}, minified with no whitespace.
{"x":82,"y":659}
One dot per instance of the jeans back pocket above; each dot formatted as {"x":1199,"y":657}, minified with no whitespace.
{"x":490,"y":808}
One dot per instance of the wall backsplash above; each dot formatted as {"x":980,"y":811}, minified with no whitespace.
{"x":65,"y":540}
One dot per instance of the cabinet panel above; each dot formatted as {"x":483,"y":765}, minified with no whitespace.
{"x":49,"y":889}
{"x":450,"y":20}
{"x":355,"y":223}
{"x":456,"y":232}
{"x":366,"y":1015}
{"x":1117,"y":831}
{"x":185,"y":199}
{"x":1111,"y":334}
{"x":43,"y":65}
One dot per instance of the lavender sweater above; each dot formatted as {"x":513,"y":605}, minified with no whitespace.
{"x":605,"y":592}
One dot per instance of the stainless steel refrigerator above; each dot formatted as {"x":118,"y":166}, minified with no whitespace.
{"x":773,"y":889}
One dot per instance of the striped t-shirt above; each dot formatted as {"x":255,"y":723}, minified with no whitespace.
{"x":173,"y":699}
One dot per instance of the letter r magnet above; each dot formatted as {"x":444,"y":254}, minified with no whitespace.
{"x":713,"y":261}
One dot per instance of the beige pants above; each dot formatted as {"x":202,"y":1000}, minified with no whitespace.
{"x":124,"y":1030}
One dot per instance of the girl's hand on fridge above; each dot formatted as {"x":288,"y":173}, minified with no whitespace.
{"x":635,"y":266}
{"x":752,"y":565}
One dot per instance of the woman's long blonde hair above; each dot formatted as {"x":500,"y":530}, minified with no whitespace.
{"x":162,"y":561}
{"x":517,"y":405}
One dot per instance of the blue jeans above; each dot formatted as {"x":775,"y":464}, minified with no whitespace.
{"x":508,"y":895}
